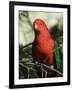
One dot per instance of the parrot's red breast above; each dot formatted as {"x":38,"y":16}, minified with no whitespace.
{"x":43,"y":45}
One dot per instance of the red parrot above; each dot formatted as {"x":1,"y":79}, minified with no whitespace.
{"x":43,"y":45}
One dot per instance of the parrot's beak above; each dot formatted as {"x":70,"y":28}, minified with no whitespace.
{"x":37,"y":27}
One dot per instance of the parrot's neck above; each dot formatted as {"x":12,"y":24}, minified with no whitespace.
{"x":42,"y":36}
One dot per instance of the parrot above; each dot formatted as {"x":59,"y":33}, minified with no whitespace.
{"x":43,"y":44}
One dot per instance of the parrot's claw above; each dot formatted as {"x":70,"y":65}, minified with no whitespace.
{"x":52,"y":66}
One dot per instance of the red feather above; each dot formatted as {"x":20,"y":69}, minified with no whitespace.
{"x":43,"y":45}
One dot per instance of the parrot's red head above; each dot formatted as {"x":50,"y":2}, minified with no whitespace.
{"x":39,"y":25}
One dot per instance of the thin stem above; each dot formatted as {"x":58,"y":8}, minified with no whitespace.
{"x":53,"y":69}
{"x":28,"y":73}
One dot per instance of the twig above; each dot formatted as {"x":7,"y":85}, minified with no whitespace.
{"x":45,"y":74}
{"x":53,"y":69}
{"x":23,"y":65}
{"x":28,"y":73}
{"x":44,"y":71}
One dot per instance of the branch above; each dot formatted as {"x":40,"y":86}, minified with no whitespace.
{"x":44,"y":71}
{"x":53,"y":69}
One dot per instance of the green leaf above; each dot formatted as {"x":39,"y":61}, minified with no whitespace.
{"x":57,"y":55}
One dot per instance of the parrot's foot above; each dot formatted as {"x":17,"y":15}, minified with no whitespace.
{"x":52,"y":66}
